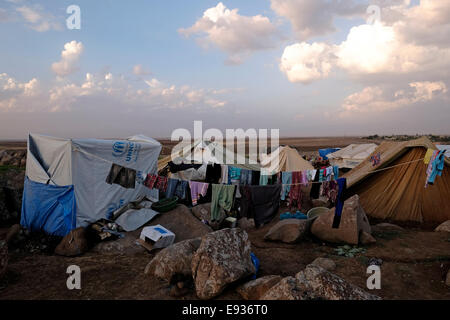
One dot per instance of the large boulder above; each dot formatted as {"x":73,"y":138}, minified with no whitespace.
{"x":255,"y":289}
{"x":182,"y":223}
{"x":222,"y":258}
{"x":73,"y":244}
{"x":173,"y":260}
{"x":325,"y":263}
{"x":288,"y":231}
{"x":286,"y":289}
{"x":322,"y":284}
{"x":353,"y":222}
{"x":246,"y":224}
{"x":202,"y":211}
{"x":443,"y":227}
{"x":3,"y":257}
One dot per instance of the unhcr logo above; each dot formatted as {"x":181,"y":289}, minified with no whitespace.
{"x":119,"y":148}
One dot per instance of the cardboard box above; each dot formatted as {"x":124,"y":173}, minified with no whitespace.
{"x":157,"y":236}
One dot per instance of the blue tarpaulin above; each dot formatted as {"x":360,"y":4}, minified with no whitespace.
{"x":48,"y":207}
{"x":323,"y":152}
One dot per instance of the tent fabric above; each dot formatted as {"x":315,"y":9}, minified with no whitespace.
{"x":399,"y":193}
{"x":352,"y":155}
{"x":48,"y":207}
{"x":206,"y":152}
{"x":324,"y":152}
{"x":84,"y":164}
{"x":444,"y":147}
{"x":288,"y":161}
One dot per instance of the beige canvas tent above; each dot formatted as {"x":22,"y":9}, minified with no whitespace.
{"x":288,"y":160}
{"x":352,"y":155}
{"x":399,"y":193}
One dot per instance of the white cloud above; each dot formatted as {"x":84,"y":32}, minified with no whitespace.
{"x":233,"y":33}
{"x":14,"y":93}
{"x":310,"y":18}
{"x":376,"y":99}
{"x":37,"y":19}
{"x":69,"y":58}
{"x":304,"y":63}
{"x":387,"y":48}
{"x":64,"y":95}
{"x":139,"y":70}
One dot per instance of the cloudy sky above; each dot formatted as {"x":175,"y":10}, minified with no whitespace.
{"x":306,"y":67}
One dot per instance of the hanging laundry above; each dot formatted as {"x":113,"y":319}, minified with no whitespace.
{"x":233,"y":173}
{"x":255,"y":177}
{"x":342,"y":185}
{"x":260,"y":202}
{"x":437,"y":166}
{"x":246,"y":177}
{"x":224,"y":178}
{"x":428,"y":155}
{"x":213,"y":173}
{"x":122,"y":176}
{"x":286,"y":180}
{"x":336,"y":172}
{"x":330,"y":190}
{"x":295,"y":193}
{"x":177,"y":188}
{"x":174,"y":168}
{"x":197,"y":189}
{"x":328,"y":173}
{"x":161,"y":183}
{"x":222,"y":197}
{"x":430,"y":166}
{"x":375,"y":159}
{"x":303,"y":178}
{"x":150,"y":180}
{"x":311,"y":174}
{"x":263,"y":179}
{"x":315,"y":189}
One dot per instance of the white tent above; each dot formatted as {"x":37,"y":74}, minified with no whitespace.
{"x":65,"y":184}
{"x":284,"y":159}
{"x":352,"y":155}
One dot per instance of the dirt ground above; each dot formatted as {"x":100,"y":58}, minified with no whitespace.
{"x":415,"y":263}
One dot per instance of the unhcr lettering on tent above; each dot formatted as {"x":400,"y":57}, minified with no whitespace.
{"x":241,"y":147}
{"x":128,"y":149}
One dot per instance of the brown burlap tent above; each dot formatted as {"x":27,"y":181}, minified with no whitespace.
{"x":398,"y":193}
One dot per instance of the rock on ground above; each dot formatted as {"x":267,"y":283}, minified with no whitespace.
{"x":366,"y":238}
{"x":387,"y":227}
{"x":288,"y":231}
{"x":246,"y":224}
{"x":286,"y":289}
{"x":322,"y":284}
{"x":73,"y":244}
{"x":182,"y":223}
{"x":222,"y":258}
{"x":126,"y":245}
{"x":325,"y":263}
{"x":443,"y":227}
{"x":353,"y":221}
{"x":173,"y":260}
{"x":13,"y":232}
{"x":3,"y":257}
{"x":202,"y":211}
{"x":255,"y":289}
